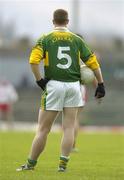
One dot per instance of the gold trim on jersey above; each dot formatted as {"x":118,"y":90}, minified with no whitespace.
{"x":92,"y":62}
{"x":36,"y":55}
{"x":46,"y":60}
{"x":43,"y":100}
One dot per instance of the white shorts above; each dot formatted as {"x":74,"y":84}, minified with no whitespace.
{"x":61,"y":94}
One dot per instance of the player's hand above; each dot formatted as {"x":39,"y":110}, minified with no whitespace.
{"x":100,"y":91}
{"x":42,"y":83}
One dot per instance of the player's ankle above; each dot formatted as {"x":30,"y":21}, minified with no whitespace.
{"x":31,"y":162}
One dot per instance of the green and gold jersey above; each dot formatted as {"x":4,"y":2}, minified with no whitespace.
{"x":62,"y":51}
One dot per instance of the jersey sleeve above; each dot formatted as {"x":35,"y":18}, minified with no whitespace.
{"x":87,"y":56}
{"x":38,"y":52}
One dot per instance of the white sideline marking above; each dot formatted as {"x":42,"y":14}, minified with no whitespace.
{"x":26,"y":126}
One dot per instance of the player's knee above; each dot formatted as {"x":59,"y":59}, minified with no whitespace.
{"x":44,"y":129}
{"x":68,"y":128}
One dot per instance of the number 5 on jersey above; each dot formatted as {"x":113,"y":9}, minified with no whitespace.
{"x":62,"y":53}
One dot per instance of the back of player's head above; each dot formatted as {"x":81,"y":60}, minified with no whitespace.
{"x":60,"y":17}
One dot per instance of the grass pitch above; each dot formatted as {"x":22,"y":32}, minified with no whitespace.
{"x":100,"y":157}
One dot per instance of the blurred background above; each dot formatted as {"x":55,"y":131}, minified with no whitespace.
{"x":101,"y":24}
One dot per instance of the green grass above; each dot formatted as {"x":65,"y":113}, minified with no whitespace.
{"x":101,"y":157}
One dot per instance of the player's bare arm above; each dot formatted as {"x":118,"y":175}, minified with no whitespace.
{"x":94,"y":65}
{"x":41,"y":82}
{"x":36,"y":71}
{"x":98,"y":75}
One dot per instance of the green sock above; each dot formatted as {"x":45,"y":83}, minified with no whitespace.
{"x":31,"y":162}
{"x":63,"y":162}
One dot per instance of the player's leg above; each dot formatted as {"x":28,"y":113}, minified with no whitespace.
{"x":69,"y":116}
{"x":76,"y":128}
{"x":45,"y":121}
{"x":77,"y":122}
{"x":51,"y":101}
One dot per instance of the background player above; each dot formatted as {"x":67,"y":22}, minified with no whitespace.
{"x":61,"y":51}
{"x":8,"y":96}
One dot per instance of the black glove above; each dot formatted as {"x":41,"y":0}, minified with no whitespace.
{"x":42,"y":83}
{"x":100,"y":91}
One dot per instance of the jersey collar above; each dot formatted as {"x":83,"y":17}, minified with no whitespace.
{"x":61,"y":29}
